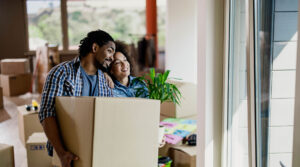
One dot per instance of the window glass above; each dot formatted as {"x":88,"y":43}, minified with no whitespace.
{"x":124,"y":20}
{"x":44,"y":23}
{"x":275,"y":67}
{"x":237,"y":127}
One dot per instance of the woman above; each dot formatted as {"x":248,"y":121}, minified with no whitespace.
{"x":125,"y":85}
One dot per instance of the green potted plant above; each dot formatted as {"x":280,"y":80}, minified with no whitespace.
{"x":159,"y":89}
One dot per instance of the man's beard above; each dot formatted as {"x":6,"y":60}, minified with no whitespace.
{"x":101,"y":67}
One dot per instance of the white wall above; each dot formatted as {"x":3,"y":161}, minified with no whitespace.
{"x":210,"y":82}
{"x":181,"y":39}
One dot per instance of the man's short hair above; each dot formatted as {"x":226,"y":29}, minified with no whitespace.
{"x":100,"y":37}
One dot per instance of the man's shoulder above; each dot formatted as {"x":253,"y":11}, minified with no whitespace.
{"x":65,"y":67}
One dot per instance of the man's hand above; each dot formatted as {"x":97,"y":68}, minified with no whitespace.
{"x":109,"y":80}
{"x":66,"y":159}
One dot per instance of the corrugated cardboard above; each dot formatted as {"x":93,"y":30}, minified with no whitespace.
{"x":28,"y":123}
{"x":55,"y":160}
{"x":14,"y":66}
{"x":183,"y":156}
{"x":110,"y":132}
{"x":7,"y":155}
{"x":37,"y":155}
{"x":188,"y":105}
{"x":15,"y":84}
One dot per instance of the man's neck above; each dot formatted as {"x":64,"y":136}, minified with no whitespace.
{"x":88,"y":64}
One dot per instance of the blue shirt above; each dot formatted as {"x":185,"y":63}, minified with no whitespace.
{"x":89,"y":86}
{"x":66,"y":79}
{"x":130,"y":91}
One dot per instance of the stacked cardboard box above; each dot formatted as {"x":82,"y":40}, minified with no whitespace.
{"x":7,"y":156}
{"x":15,"y":76}
{"x":46,"y":58}
{"x":37,"y":155}
{"x":181,"y":155}
{"x":110,"y":132}
{"x":28,"y":122}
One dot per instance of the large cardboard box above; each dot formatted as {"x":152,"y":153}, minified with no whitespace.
{"x":37,"y":155}
{"x":55,"y":160}
{"x":28,"y":123}
{"x":15,"y":84}
{"x":110,"y":132}
{"x":7,"y":156}
{"x":183,"y":156}
{"x":188,"y":105}
{"x":14,"y":66}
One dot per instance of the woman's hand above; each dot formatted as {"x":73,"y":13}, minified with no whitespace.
{"x":109,"y":80}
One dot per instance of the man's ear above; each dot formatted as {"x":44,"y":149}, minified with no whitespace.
{"x":95,"y":47}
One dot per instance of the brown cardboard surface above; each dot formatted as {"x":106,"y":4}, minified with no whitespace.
{"x":15,"y":84}
{"x":55,"y":160}
{"x":126,"y":132}
{"x":76,"y":121}
{"x":183,"y":156}
{"x":7,"y":155}
{"x":28,"y":123}
{"x":123,"y":131}
{"x":162,"y":117}
{"x":1,"y":97}
{"x":188,"y":105}
{"x":14,"y":66}
{"x":37,"y":155}
{"x":47,"y":57}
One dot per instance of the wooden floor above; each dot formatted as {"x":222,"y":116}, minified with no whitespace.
{"x":9,"y":132}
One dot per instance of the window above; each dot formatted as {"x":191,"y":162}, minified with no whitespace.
{"x":44,"y":23}
{"x":237,"y":128}
{"x":276,"y":35}
{"x":273,"y":51}
{"x":124,"y":20}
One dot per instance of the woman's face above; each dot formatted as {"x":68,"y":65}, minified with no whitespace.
{"x":120,"y":66}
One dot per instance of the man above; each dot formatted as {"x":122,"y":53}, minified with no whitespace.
{"x":82,"y":76}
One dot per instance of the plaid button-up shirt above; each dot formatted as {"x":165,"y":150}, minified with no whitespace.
{"x":65,"y":79}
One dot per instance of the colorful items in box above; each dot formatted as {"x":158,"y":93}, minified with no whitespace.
{"x":176,"y":129}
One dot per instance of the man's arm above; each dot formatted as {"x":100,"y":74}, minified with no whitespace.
{"x":53,"y":87}
{"x":52,"y":132}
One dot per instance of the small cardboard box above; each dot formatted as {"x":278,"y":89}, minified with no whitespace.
{"x":14,"y":66}
{"x":110,"y":132}
{"x":37,"y":155}
{"x":28,"y":123}
{"x":15,"y":84}
{"x":183,"y":156}
{"x":188,"y":105}
{"x":7,"y":156}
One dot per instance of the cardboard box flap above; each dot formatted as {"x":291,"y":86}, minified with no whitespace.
{"x":126,"y":128}
{"x":4,"y":146}
{"x":14,"y":60}
{"x":76,"y":118}
{"x":23,"y":110}
{"x":6,"y":155}
{"x":190,"y":150}
{"x":37,"y":138}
